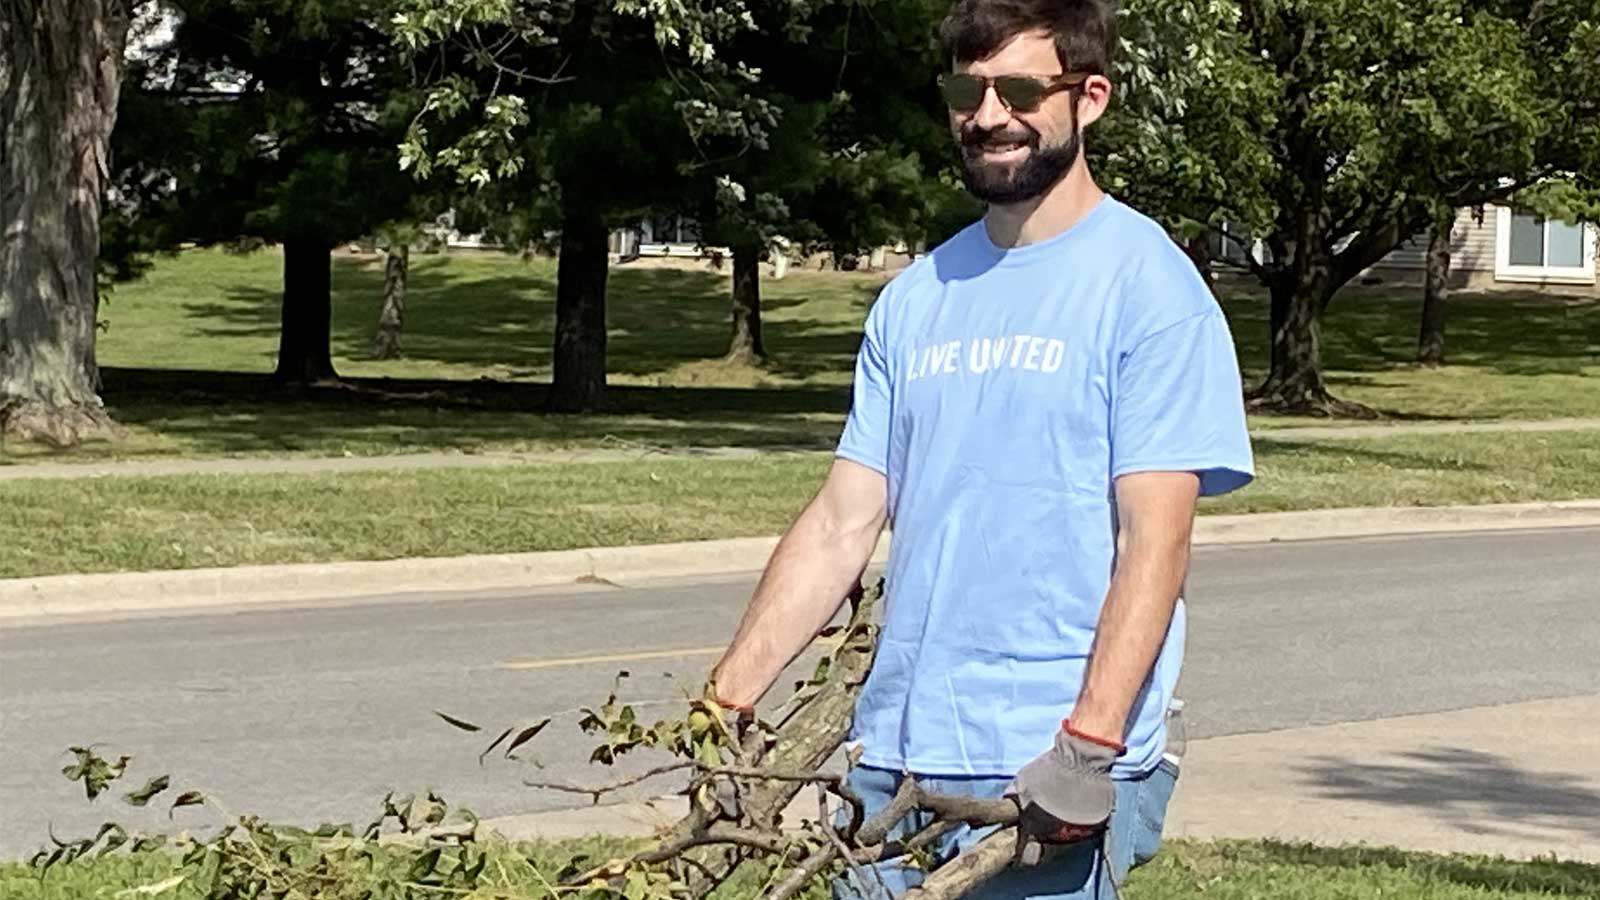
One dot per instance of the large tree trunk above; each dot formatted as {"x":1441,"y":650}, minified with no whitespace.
{"x":1435,"y":291}
{"x":579,"y":384}
{"x":396,"y":267}
{"x":745,"y":343}
{"x":60,"y":74}
{"x":1295,"y":385}
{"x":305,"y":340}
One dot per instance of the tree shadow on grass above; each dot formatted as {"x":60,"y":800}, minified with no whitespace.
{"x":1477,"y":792}
{"x":1546,"y":877}
{"x":1375,"y":329}
{"x":502,"y":312}
{"x":231,"y":412}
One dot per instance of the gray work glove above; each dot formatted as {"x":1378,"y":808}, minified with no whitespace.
{"x":1065,"y":795}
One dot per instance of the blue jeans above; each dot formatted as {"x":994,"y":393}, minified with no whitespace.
{"x":1069,"y":872}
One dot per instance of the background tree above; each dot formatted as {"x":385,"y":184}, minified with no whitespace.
{"x":1436,"y":289}
{"x":1384,"y":112}
{"x":852,"y":162}
{"x":602,"y":110}
{"x":1572,"y":198}
{"x":60,"y":78}
{"x":1180,"y":141}
{"x":396,"y":241}
{"x":278,"y":122}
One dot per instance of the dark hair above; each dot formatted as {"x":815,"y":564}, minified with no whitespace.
{"x":1085,"y":31}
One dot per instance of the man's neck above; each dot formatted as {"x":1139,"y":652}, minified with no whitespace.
{"x":1047,"y":215}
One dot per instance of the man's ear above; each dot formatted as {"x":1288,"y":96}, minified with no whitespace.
{"x":1094,"y":95}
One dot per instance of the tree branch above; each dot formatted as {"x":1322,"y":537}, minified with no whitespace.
{"x":1256,"y":268}
{"x":986,"y":859}
{"x":801,"y":877}
{"x":707,"y":772}
{"x":599,"y":791}
{"x":876,"y":829}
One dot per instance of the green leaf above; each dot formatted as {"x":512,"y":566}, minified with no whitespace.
{"x":114,"y":836}
{"x":424,"y":865}
{"x":151,"y":788}
{"x":145,"y":844}
{"x":490,"y":749}
{"x":526,"y":735}
{"x":636,"y":886}
{"x":187,"y":798}
{"x":94,"y":771}
{"x":463,"y":725}
{"x":709,"y":753}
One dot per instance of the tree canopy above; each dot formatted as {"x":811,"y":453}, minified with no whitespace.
{"x":1361,"y":119}
{"x":276,"y":122}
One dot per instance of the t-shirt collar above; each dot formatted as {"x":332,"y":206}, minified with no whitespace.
{"x":1039,"y":250}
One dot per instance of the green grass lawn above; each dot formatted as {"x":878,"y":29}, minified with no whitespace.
{"x":1227,"y":870}
{"x":186,"y":351}
{"x":116,"y":524}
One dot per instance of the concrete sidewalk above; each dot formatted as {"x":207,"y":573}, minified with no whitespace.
{"x":457,"y":460}
{"x":1519,"y":781}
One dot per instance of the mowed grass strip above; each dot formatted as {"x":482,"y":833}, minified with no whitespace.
{"x":121,"y":524}
{"x":133,"y":524}
{"x":1224,"y":870}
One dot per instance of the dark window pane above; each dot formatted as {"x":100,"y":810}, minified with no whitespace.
{"x":1527,"y":239}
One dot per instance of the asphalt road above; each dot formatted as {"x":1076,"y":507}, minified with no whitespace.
{"x":312,"y":715}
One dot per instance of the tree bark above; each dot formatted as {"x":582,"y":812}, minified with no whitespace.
{"x":1435,"y":292}
{"x":60,"y":76}
{"x":745,"y":344}
{"x":1295,"y":383}
{"x":1295,"y":386}
{"x":305,"y":340}
{"x":396,"y":268}
{"x":579,"y":383}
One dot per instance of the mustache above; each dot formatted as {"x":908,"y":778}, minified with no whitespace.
{"x":972,"y":136}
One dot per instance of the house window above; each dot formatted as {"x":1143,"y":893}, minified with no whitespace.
{"x":1530,"y":247}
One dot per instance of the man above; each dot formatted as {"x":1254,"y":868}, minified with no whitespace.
{"x":1038,"y":403}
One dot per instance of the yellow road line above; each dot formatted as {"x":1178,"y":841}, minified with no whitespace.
{"x":611,"y":658}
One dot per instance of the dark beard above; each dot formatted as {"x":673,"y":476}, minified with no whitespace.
{"x":1037,"y":173}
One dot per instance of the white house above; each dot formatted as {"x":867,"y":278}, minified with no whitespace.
{"x":1507,"y":248}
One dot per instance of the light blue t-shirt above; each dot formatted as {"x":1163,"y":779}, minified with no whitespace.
{"x":1001,"y":392}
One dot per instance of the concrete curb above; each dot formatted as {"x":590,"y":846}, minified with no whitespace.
{"x":199,"y":589}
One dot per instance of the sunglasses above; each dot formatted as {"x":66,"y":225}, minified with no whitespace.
{"x":1018,"y":93}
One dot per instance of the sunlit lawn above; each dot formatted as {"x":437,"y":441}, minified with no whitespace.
{"x":187,"y":348}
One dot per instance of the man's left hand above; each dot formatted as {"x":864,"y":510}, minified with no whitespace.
{"x":1066,"y":794}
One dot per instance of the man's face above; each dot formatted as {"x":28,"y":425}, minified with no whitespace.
{"x":1011,"y":156}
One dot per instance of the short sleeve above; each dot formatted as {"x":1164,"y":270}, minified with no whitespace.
{"x":866,"y":430}
{"x":1178,"y":406}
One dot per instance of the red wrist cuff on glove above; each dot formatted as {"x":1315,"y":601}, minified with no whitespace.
{"x":1121,"y":748}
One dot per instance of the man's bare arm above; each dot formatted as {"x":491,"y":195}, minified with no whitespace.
{"x":816,"y":564}
{"x":1156,"y":518}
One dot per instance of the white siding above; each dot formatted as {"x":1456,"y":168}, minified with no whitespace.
{"x":1471,"y":246}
